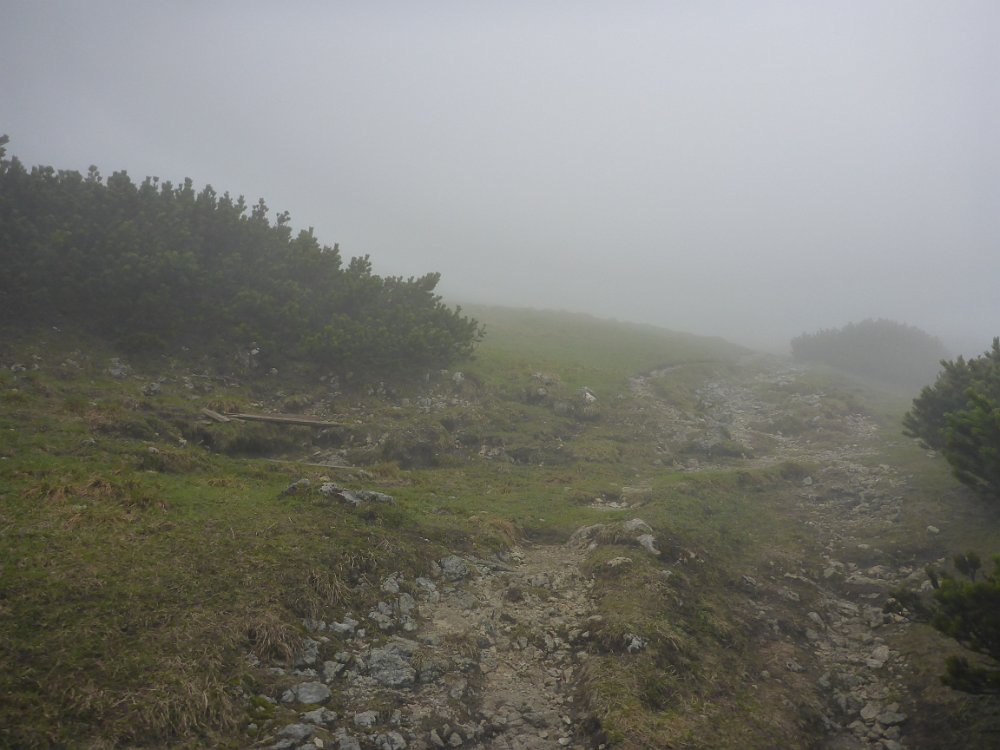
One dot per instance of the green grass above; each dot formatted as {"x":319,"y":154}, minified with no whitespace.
{"x":148,"y":588}
{"x":582,"y":350}
{"x":145,"y":553}
{"x":138,"y":572}
{"x":695,"y":683}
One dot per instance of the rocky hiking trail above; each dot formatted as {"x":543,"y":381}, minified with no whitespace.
{"x":487,"y":653}
{"x":830,"y":636}
{"x":491,"y":665}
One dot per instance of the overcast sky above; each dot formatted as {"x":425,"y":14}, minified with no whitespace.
{"x":745,"y":169}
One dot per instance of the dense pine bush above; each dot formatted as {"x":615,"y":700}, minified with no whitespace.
{"x":154,"y":265}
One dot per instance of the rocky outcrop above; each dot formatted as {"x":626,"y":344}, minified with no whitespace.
{"x":635,"y":532}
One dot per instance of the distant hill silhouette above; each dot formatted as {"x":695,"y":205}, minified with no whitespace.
{"x":892,"y":352}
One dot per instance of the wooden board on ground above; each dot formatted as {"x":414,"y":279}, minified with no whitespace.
{"x":283,"y":419}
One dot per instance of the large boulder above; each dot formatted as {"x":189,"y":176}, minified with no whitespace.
{"x":453,"y":568}
{"x":390,"y":666}
{"x":307,"y":692}
{"x":635,"y":532}
{"x":355,"y":497}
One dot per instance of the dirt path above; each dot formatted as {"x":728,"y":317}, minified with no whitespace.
{"x":528,"y":615}
{"x":841,"y":640}
{"x":484,"y":657}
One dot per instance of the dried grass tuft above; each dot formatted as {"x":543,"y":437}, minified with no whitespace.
{"x":503,"y":530}
{"x":127,"y":493}
{"x":271,"y":636}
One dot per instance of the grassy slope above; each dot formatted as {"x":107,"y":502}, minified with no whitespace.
{"x":137,"y":573}
{"x":583,"y":350}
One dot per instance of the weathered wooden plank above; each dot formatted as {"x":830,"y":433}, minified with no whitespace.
{"x":283,"y":419}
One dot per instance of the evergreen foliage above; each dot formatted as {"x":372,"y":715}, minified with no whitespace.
{"x":882,"y":349}
{"x":156,"y":264}
{"x":973,"y":444}
{"x":960,"y":416}
{"x":968,"y":610}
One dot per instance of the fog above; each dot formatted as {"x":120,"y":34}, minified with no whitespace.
{"x":745,"y":169}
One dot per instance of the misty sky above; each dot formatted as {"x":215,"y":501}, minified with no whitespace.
{"x":746,"y":169}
